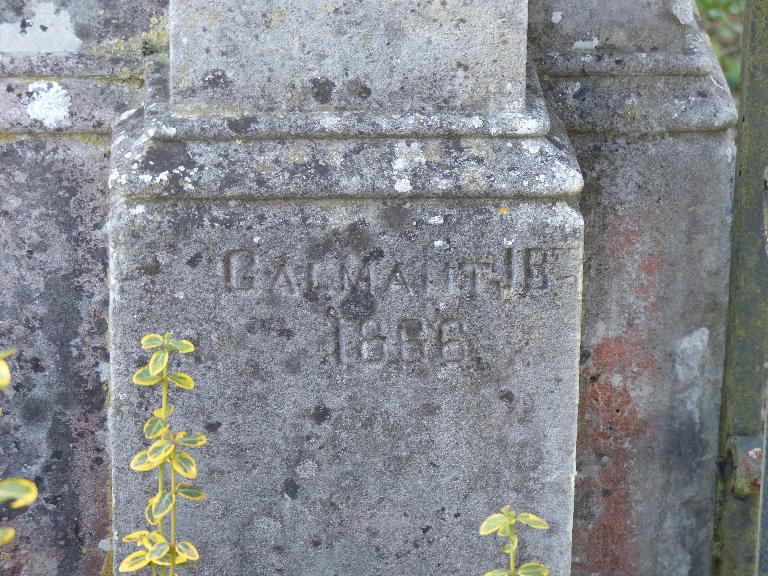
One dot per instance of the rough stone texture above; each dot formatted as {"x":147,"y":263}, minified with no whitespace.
{"x":363,"y":425}
{"x":53,"y":308}
{"x":60,"y":87}
{"x":648,"y":117}
{"x":385,"y":296}
{"x":308,"y":55}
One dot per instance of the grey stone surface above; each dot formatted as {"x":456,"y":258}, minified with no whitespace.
{"x":53,"y":309}
{"x":305,"y":55}
{"x":68,"y":70}
{"x":376,"y":376}
{"x":385,"y":297}
{"x":649,"y":118}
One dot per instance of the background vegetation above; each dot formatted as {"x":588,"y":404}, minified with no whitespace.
{"x":723,"y":19}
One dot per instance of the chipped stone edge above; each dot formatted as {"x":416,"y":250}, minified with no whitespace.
{"x":227,"y":125}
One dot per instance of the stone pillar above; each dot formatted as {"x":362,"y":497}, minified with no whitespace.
{"x":369,"y":232}
{"x":646,"y":105}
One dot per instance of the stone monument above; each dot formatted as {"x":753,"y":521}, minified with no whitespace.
{"x":364,"y":217}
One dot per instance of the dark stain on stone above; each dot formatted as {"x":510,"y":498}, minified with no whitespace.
{"x":213,"y":426}
{"x":358,"y":89}
{"x":152,"y":267}
{"x":359,"y":304}
{"x":291,"y":488}
{"x":293,"y":364}
{"x":322,"y":89}
{"x":195,"y":259}
{"x":241,"y":125}
{"x":35,"y":410}
{"x":216,"y":78}
{"x":321,"y":413}
{"x":507,"y":396}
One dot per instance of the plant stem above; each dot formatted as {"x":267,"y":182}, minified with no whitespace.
{"x":173,"y":523}
{"x":511,"y":556}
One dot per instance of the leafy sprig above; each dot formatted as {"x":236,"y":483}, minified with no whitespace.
{"x":159,"y":550}
{"x":504,"y":523}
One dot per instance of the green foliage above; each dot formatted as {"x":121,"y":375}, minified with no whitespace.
{"x":161,"y":551}
{"x":504,"y":523}
{"x":723,"y":19}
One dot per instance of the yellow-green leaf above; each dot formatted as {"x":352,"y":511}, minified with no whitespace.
{"x":7,"y":353}
{"x":152,"y":539}
{"x":163,"y":505}
{"x":143,"y":377}
{"x":493,"y":523}
{"x":157,"y":552}
{"x":160,"y":450}
{"x":507,"y":530}
{"x":20,"y":491}
{"x":533,"y":569}
{"x":141,"y":462}
{"x":187,"y":550}
{"x":154,"y":427}
{"x":497,"y":572}
{"x":166,"y":561}
{"x":192,"y":440}
{"x":183,"y":346}
{"x":135,"y":536}
{"x":189,"y":491}
{"x":6,"y":535}
{"x":159,"y":411}
{"x":152,"y":341}
{"x":182,"y":380}
{"x":184,"y":464}
{"x":533,"y":521}
{"x":134,"y":562}
{"x":5,"y":375}
{"x":158,"y":362}
{"x":148,"y":511}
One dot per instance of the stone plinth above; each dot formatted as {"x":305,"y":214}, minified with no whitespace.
{"x":384,"y":293}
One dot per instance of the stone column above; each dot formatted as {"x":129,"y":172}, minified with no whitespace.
{"x":363,"y":216}
{"x":647,"y":107}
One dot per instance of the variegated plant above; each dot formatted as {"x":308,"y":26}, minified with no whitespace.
{"x":504,"y":524}
{"x":160,"y":549}
{"x":20,"y":492}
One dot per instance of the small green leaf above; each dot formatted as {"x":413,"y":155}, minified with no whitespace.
{"x":148,"y":512}
{"x":160,"y":450}
{"x":151,"y":341}
{"x":189,"y":491}
{"x":183,"y":346}
{"x":533,"y":521}
{"x":157,"y":552}
{"x":152,"y":539}
{"x":191,"y":440}
{"x":158,"y":362}
{"x":20,"y":491}
{"x":187,"y":550}
{"x":141,"y":462}
{"x":5,"y":375}
{"x":184,"y":464}
{"x":533,"y":569}
{"x":507,"y":530}
{"x":7,"y":353}
{"x":143,"y":377}
{"x":6,"y":535}
{"x":159,"y":411}
{"x":183,"y":381}
{"x":493,"y":523}
{"x":154,"y":427}
{"x":163,"y":505}
{"x":134,"y":562}
{"x":135,"y":536}
{"x":497,"y":572}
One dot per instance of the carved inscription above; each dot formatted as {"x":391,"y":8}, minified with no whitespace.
{"x":425,"y":296}
{"x":528,"y":271}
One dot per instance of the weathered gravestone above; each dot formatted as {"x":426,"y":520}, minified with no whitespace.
{"x":367,"y":230}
